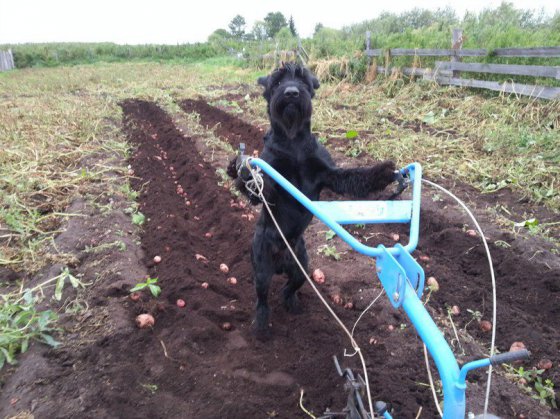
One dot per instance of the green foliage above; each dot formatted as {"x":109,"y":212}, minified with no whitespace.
{"x":237,"y":26}
{"x":329,"y":235}
{"x":150,"y":283}
{"x":274,"y":22}
{"x":292,"y":26}
{"x":138,"y":218}
{"x":55,"y":54}
{"x":329,"y":251}
{"x":21,"y":321}
{"x":532,"y":382}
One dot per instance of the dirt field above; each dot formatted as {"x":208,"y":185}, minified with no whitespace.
{"x":189,"y":366}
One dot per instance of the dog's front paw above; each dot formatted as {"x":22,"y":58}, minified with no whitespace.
{"x":385,"y":174}
{"x":231,"y":168}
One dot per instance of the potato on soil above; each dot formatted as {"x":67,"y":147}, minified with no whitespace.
{"x":471,"y":233}
{"x":337,"y":299}
{"x":134,"y":296}
{"x":145,"y":320}
{"x":544,"y":364}
{"x":224,"y":268}
{"x":157,"y":259}
{"x":485,"y":325}
{"x":227,"y":326}
{"x":517,"y":346}
{"x":318,"y":276}
{"x":232,"y":280}
{"x":180,"y":303}
{"x":432,"y":284}
{"x":205,"y":285}
{"x":455,"y":310}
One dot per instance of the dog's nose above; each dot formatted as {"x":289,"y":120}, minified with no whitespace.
{"x":291,"y":91}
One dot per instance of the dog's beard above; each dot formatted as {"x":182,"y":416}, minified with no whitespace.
{"x":291,"y":116}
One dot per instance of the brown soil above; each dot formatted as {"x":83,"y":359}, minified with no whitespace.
{"x":189,"y":366}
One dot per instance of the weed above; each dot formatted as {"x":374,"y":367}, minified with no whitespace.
{"x":475,"y":315}
{"x":531,"y":381}
{"x":329,"y":251}
{"x":329,"y":235}
{"x":138,"y":218}
{"x":150,"y":283}
{"x":21,"y":321}
{"x":545,"y":392}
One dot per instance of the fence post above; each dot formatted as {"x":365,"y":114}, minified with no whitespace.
{"x":456,"y":44}
{"x":11,"y":60}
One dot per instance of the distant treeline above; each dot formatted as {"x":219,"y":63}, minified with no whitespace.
{"x":504,"y":26}
{"x":55,"y":54}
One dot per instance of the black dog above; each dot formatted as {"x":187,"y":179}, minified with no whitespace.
{"x":291,"y":148}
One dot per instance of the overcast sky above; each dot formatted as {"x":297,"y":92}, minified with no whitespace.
{"x":170,"y":22}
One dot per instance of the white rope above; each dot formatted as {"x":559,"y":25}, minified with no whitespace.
{"x":259,"y":184}
{"x":360,"y":317}
{"x":493,"y":339}
{"x":431,"y":380}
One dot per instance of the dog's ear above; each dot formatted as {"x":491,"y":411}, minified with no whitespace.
{"x":315,"y":82}
{"x":263,"y":81}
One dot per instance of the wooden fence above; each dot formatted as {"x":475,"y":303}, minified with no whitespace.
{"x":6,"y":60}
{"x":449,"y":72}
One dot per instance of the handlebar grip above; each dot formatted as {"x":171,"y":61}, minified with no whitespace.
{"x":509,"y":357}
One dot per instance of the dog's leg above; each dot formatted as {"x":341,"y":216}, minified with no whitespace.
{"x":295,"y":278}
{"x":360,"y":181}
{"x":263,"y":268}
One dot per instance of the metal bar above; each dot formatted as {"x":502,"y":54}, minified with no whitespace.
{"x":415,"y":171}
{"x":453,"y":395}
{"x":479,"y":363}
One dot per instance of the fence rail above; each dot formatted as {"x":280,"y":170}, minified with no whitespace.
{"x":6,"y":60}
{"x":449,"y":72}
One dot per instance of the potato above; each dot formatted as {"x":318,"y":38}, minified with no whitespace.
{"x":432,"y":283}
{"x":485,"y":325}
{"x":318,"y":276}
{"x":544,"y":364}
{"x":337,"y":299}
{"x":145,"y":320}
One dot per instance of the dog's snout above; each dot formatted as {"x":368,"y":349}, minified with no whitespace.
{"x":291,"y":91}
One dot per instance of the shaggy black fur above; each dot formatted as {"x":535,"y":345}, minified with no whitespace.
{"x":291,"y":148}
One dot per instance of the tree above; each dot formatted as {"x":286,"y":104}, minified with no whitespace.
{"x":259,"y":30}
{"x":318,"y":27}
{"x":292,"y":26}
{"x":237,"y":26}
{"x":274,"y":22}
